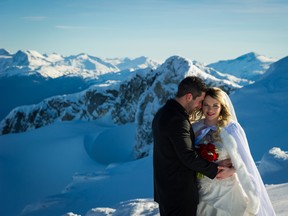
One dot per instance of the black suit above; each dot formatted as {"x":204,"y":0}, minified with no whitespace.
{"x":176,"y":163}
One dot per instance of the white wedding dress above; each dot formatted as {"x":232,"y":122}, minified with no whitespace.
{"x":221,"y":197}
{"x":242,"y":194}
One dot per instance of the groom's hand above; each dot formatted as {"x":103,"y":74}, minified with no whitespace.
{"x":225,"y":172}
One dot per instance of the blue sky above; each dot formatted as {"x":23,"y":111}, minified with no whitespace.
{"x":202,"y":30}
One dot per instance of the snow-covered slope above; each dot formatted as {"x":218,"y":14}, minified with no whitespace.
{"x":262,"y":107}
{"x":250,"y":66}
{"x":272,"y":165}
{"x":59,"y":169}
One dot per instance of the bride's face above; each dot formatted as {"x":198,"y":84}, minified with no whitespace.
{"x":211,"y":109}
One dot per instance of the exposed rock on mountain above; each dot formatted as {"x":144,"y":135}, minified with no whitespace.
{"x":119,"y":101}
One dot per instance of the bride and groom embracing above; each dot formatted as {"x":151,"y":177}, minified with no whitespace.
{"x":205,"y":169}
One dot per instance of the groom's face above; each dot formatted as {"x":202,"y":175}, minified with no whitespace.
{"x":195,"y":103}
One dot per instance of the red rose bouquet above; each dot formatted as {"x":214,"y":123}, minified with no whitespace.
{"x":208,"y":151}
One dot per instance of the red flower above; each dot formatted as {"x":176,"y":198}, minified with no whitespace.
{"x":208,"y":151}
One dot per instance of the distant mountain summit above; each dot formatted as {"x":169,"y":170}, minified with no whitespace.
{"x":250,"y":66}
{"x":133,"y":64}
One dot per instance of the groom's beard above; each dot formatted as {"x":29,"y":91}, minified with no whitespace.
{"x":190,"y":108}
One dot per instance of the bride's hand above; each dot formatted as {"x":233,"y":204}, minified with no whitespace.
{"x":224,"y":172}
{"x":225,"y":163}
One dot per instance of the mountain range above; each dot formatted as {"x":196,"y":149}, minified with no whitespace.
{"x":124,"y":96}
{"x":28,"y":77}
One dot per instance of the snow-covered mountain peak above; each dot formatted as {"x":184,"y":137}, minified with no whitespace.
{"x":54,"y":57}
{"x":177,"y":65}
{"x":89,"y":63}
{"x":250,"y":66}
{"x":29,"y":58}
{"x":175,"y":68}
{"x":248,"y":56}
{"x":34,"y":54}
{"x":253,"y":56}
{"x":133,"y":64}
{"x":4,"y":52}
{"x":21,"y":58}
{"x":82,"y":56}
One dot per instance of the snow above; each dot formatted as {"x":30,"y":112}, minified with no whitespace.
{"x":51,"y":171}
{"x":42,"y":162}
{"x":278,"y":194}
{"x":279,"y":153}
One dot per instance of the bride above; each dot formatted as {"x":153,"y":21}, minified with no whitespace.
{"x":219,"y":136}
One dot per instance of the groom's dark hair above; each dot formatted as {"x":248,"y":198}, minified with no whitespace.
{"x":193,"y":85}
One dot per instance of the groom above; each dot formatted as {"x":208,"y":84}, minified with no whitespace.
{"x":175,"y":161}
